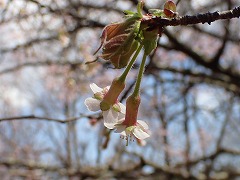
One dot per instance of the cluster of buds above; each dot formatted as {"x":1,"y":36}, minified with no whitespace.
{"x":118,"y":43}
{"x":121,"y":43}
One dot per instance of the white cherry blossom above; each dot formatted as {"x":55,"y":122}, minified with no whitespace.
{"x":139,"y":130}
{"x":110,"y":116}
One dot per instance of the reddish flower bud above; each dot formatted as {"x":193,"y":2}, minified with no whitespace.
{"x":170,"y":9}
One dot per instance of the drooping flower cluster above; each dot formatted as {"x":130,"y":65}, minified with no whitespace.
{"x":116,"y":115}
{"x":121,"y":43}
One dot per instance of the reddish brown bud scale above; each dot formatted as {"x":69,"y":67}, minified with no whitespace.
{"x":170,"y":9}
{"x":169,"y":13}
{"x":118,"y":42}
{"x":170,"y":5}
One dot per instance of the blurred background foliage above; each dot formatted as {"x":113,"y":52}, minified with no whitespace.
{"x":190,"y":94}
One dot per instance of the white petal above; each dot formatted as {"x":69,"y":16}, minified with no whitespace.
{"x":124,"y":133}
{"x":122,"y":108}
{"x":139,"y":133}
{"x":143,"y":124}
{"x":110,"y":118}
{"x":92,"y":104}
{"x":109,"y":125}
{"x":121,"y":118}
{"x":120,"y":129}
{"x":95,"y":88}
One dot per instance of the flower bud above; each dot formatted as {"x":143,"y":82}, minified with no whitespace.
{"x":118,"y":42}
{"x":170,"y":9}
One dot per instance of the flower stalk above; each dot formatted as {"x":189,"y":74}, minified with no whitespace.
{"x":139,"y":77}
{"x":130,"y":64}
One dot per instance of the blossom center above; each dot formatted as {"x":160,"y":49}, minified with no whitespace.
{"x":129,"y":138}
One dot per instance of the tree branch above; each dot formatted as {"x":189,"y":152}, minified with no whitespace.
{"x":212,"y":156}
{"x":31,"y":117}
{"x":44,"y":167}
{"x":75,"y":63}
{"x":195,"y":19}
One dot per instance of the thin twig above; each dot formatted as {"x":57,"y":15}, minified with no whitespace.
{"x":33,"y":117}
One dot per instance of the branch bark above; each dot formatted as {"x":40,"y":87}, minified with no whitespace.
{"x":190,"y":20}
{"x":33,"y":117}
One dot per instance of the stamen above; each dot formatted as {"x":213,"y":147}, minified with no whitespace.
{"x":130,"y":137}
{"x":127,"y":138}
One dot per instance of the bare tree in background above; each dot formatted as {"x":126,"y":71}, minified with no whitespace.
{"x":190,"y":94}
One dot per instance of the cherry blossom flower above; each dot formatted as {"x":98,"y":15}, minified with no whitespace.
{"x":129,"y":126}
{"x":112,"y":114}
{"x":139,"y":130}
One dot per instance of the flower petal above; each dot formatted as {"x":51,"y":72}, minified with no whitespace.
{"x":143,"y":124}
{"x":139,"y":133}
{"x":109,"y":125}
{"x":95,"y":88}
{"x":124,"y":133}
{"x":121,"y":118}
{"x":120,"y":129}
{"x":92,"y":104}
{"x":110,"y":118}
{"x":122,"y":108}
